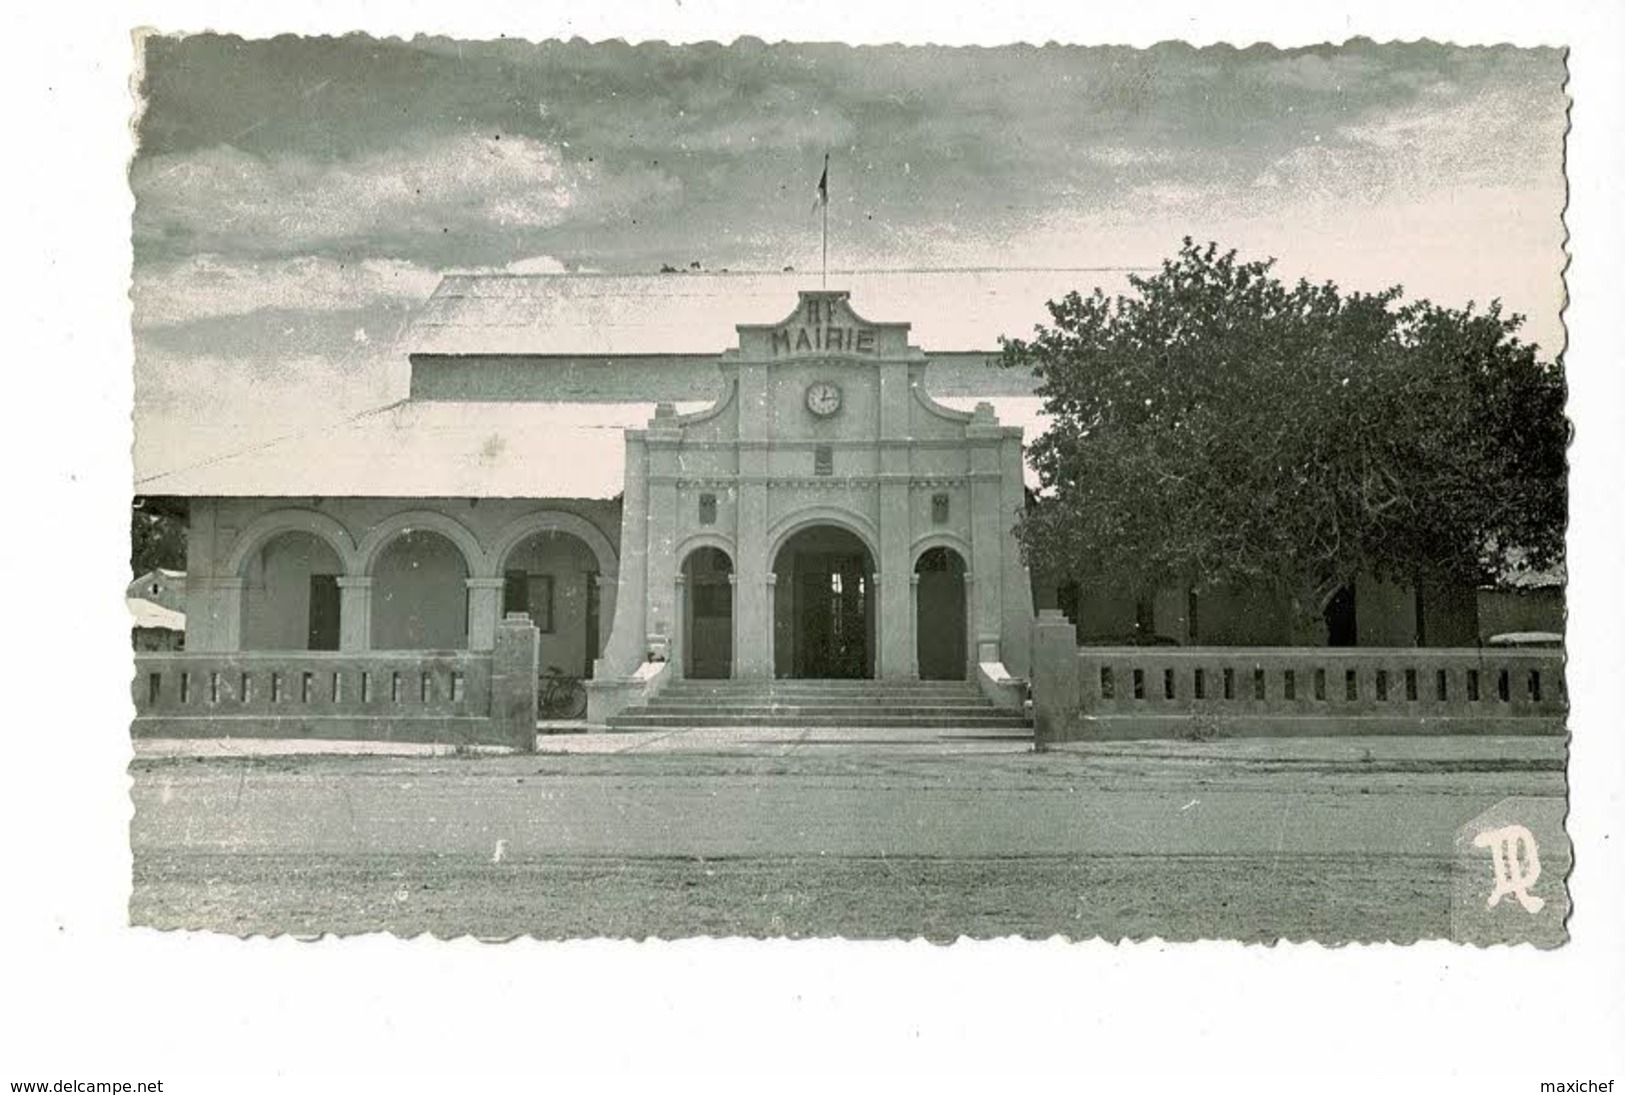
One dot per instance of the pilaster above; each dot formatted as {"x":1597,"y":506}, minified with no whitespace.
{"x":484,"y":611}
{"x":355,"y":612}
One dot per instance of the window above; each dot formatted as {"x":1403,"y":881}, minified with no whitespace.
{"x":939,"y":509}
{"x":531,"y":594}
{"x":708,"y":509}
{"x":323,"y":621}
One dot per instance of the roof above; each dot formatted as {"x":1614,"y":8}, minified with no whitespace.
{"x":696,"y":313}
{"x":432,"y":450}
{"x":459,"y":450}
{"x":144,"y":613}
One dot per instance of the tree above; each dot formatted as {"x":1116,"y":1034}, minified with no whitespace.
{"x":1216,"y":427}
{"x":157,"y":534}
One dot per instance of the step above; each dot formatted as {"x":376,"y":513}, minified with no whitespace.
{"x":944,"y":710}
{"x":642,"y":720}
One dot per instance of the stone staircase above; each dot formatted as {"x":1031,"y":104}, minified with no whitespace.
{"x":912,"y":705}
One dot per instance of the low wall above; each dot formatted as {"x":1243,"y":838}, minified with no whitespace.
{"x":447,"y":697}
{"x":1101,"y":693}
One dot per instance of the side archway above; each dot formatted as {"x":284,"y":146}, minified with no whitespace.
{"x":268,"y":525}
{"x":572,"y":524}
{"x":380,"y":535}
{"x":850,"y":520}
{"x":706,"y":592}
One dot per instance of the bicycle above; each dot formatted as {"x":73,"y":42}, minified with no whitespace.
{"x":559,"y":695}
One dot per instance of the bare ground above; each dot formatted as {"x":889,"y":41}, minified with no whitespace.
{"x":1334,"y":841}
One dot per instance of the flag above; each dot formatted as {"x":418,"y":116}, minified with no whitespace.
{"x":823,"y":185}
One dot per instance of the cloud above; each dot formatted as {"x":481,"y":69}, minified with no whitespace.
{"x":469,"y":186}
{"x":210,"y":285}
{"x":536,"y":264}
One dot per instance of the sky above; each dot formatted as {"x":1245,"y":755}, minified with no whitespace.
{"x":296,"y":198}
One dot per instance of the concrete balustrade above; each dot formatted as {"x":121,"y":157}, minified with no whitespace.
{"x":1150,"y":692}
{"x":449,"y":697}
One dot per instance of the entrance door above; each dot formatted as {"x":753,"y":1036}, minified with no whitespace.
{"x":834,"y":640}
{"x":823,"y":615}
{"x":709,"y":653}
{"x":940,"y":616}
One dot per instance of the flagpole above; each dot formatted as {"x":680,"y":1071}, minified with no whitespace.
{"x":825,"y":282}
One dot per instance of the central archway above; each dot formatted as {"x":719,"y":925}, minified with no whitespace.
{"x":823,"y":614}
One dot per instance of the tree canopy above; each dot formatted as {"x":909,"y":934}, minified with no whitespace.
{"x":1216,"y":426}
{"x":157,"y":534}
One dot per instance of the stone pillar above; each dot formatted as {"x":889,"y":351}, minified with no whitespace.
{"x":515,"y":652}
{"x":753,"y":621}
{"x":1055,"y":679}
{"x":973,"y":654}
{"x":214,"y":614}
{"x":606,"y":610}
{"x":625,"y":648}
{"x":484,"y":610}
{"x":664,"y":437}
{"x":894,"y":515}
{"x":677,"y":650}
{"x":772,"y":626}
{"x":1016,"y":631}
{"x":355,"y":613}
{"x":987,"y":533}
{"x":895,"y":632}
{"x":914,"y":622}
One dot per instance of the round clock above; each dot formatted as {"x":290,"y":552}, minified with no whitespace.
{"x":823,"y":398}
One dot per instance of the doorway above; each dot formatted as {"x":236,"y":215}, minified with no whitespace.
{"x":709,"y":617}
{"x":939,"y":615}
{"x":824,"y":621}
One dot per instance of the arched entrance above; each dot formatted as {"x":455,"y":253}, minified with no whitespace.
{"x":939,"y":615}
{"x":291,"y":594}
{"x":552,"y":576}
{"x":708,"y":615}
{"x":824,"y":620}
{"x":420,"y":593}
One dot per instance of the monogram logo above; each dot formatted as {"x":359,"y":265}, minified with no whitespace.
{"x":1516,"y":862}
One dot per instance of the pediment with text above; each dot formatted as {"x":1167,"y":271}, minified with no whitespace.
{"x":823,"y":325}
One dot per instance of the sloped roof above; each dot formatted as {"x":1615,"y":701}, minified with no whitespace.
{"x":695,"y":313}
{"x":432,"y":450}
{"x":144,"y":613}
{"x":460,"y":450}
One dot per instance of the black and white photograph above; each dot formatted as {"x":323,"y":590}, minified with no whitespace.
{"x":905,"y":541}
{"x":1163,"y":488}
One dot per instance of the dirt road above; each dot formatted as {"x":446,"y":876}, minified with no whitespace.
{"x":1332,"y":840}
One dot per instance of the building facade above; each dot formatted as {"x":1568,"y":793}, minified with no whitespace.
{"x":795,"y":504}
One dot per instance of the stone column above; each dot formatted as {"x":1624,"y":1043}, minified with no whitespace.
{"x":484,"y":610}
{"x":895,"y":632}
{"x":515,"y":652}
{"x":973,"y":653}
{"x":606,"y":610}
{"x":355,"y":613}
{"x":772,"y":626}
{"x":677,"y":649}
{"x":914,"y":623}
{"x":982,"y":433}
{"x":663,"y":439}
{"x":753,"y":622}
{"x":1016,"y":630}
{"x":1055,"y":679}
{"x":626,"y":645}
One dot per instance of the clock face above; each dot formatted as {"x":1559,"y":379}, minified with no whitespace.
{"x":823,"y":398}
